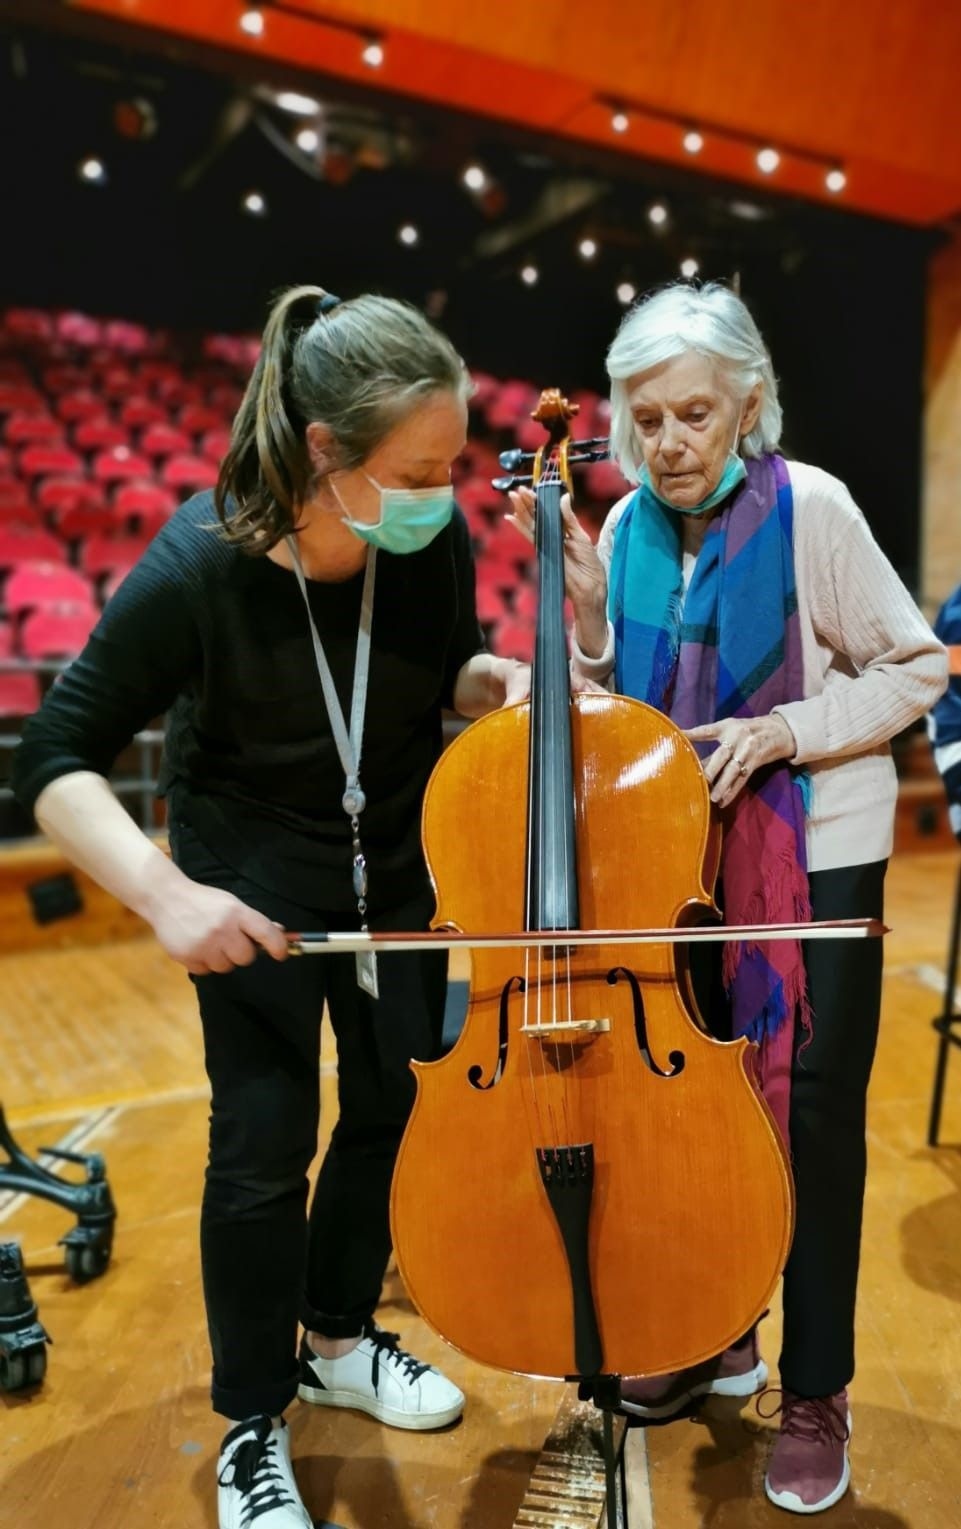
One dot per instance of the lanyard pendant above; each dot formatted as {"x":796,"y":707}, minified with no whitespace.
{"x":353,"y":801}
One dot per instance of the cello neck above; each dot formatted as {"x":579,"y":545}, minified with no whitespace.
{"x":551,"y":893}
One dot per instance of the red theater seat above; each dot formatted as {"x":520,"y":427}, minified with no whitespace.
{"x":110,"y":554}
{"x":189,"y":472}
{"x":490,"y":603}
{"x":60,"y":494}
{"x":513,"y":639}
{"x":28,"y":325}
{"x":605,"y":482}
{"x":58,"y":632}
{"x":21,"y":398}
{"x":15,"y":502}
{"x":79,"y":329}
{"x":215,"y":444}
{"x":37,"y":586}
{"x":226,"y":398}
{"x":145,"y":500}
{"x":65,"y":379}
{"x":47,"y":461}
{"x":79,"y":404}
{"x":196,"y":419}
{"x":118,"y":464}
{"x":29,"y":544}
{"x":132,"y":339}
{"x":512,"y":402}
{"x":138,"y":412}
{"x":163,"y":440}
{"x":28,"y":429}
{"x":100,"y":434}
{"x":19,"y":695}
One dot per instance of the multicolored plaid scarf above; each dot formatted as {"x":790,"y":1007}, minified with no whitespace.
{"x":732,"y":648}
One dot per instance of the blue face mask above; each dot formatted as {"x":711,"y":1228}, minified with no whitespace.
{"x":410,"y":518}
{"x":734,"y":473}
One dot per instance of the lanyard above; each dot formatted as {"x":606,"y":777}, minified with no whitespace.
{"x":349,"y":741}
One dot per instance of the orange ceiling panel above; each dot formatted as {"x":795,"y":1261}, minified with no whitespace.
{"x":872,"y":85}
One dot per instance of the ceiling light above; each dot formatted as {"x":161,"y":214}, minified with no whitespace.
{"x":626,"y":292}
{"x":749,"y":211}
{"x":587,"y":249}
{"x":301,"y":106}
{"x":308,"y":139}
{"x":408,"y":234}
{"x":475,"y":178}
{"x":620,"y":122}
{"x":255,"y":204}
{"x":768,"y":160}
{"x":835,"y":180}
{"x":530,"y":275}
{"x":693,"y":141}
{"x":252,"y":22}
{"x":92,"y":170}
{"x":657,"y":214}
{"x":689,"y":267}
{"x":373,"y":53}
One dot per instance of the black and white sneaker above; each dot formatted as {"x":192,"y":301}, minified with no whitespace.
{"x":256,"y":1486}
{"x":380,"y":1378}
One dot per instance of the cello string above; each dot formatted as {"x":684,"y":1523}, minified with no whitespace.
{"x":543,"y":1095}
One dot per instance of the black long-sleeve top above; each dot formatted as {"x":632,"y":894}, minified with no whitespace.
{"x":220,"y":641}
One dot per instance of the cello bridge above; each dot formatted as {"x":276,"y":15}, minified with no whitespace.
{"x":567,"y":1030}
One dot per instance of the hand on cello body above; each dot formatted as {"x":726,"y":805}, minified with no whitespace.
{"x":744,"y":744}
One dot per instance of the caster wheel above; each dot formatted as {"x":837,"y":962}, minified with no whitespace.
{"x":13,"y":1371}
{"x":36,"y":1365}
{"x":85,"y":1263}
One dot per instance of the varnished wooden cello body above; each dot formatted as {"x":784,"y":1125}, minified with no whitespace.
{"x":589,"y":1183}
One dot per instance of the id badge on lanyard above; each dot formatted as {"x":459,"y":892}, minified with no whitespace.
{"x":349,"y":742}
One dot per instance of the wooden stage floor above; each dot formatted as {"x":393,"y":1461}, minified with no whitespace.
{"x":100,"y":1050}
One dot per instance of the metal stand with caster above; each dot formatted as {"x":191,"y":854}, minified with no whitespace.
{"x":23,"y":1342}
{"x":88,"y":1245}
{"x":947,"y":1022}
{"x":604,"y":1392}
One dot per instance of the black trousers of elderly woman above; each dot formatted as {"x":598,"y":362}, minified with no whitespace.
{"x":829,"y":1084}
{"x":266,"y":1263}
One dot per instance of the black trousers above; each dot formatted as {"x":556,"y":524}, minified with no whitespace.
{"x":829,"y":1083}
{"x":266,"y":1263}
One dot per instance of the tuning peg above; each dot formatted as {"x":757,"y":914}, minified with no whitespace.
{"x":504,"y":485}
{"x":513,"y":459}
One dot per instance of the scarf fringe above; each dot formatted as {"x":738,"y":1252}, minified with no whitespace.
{"x":782,"y":880}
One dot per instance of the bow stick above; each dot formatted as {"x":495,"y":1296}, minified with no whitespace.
{"x":320,"y":942}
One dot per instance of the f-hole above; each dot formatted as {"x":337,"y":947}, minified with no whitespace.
{"x":676,"y":1059}
{"x":476,"y":1073}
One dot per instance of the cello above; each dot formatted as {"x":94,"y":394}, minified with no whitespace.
{"x":570,"y":1197}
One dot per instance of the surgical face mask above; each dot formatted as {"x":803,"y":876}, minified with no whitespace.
{"x":734,"y":473}
{"x":410,"y":518}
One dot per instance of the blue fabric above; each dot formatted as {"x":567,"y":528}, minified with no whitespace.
{"x":944,"y":721}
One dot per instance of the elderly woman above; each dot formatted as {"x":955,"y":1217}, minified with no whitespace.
{"x":745,"y":596}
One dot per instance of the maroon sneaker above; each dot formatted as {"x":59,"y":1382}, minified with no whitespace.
{"x":809,"y":1469}
{"x":739,"y":1371}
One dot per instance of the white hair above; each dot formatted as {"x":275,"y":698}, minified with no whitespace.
{"x":710,"y":320}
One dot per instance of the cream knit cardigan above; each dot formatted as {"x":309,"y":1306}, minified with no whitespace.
{"x":871,"y":663}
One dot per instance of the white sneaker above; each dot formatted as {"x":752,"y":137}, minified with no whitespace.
{"x":256,"y":1486}
{"x":380,"y":1378}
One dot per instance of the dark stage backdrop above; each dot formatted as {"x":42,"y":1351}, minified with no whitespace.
{"x":839,"y":298}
